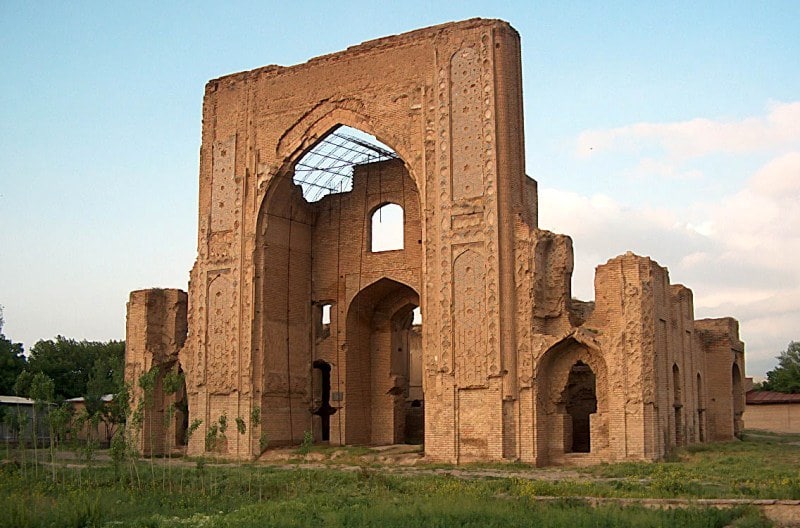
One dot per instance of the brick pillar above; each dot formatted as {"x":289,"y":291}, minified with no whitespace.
{"x":156,"y":331}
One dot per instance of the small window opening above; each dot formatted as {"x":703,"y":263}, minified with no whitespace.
{"x":324,"y":321}
{"x":387,"y":228}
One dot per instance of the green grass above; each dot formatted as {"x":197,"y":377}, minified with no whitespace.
{"x":208,"y":493}
{"x":760,"y":466}
{"x":255,"y":496}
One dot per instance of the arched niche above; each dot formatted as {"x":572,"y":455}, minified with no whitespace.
{"x":572,"y":397}
{"x":677,"y":405}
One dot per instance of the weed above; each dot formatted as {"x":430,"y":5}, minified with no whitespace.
{"x":307,"y":443}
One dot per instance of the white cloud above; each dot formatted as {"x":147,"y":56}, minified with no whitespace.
{"x":759,"y":285}
{"x":699,"y":137}
{"x":649,"y":167}
{"x":738,"y":252}
{"x":761,"y":222}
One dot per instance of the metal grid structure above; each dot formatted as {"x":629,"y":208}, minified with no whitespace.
{"x":328,"y":167}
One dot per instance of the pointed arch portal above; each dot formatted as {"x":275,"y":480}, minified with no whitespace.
{"x":573,"y":400}
{"x":336,"y":337}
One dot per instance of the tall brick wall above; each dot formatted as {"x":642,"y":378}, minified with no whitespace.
{"x":724,"y":357}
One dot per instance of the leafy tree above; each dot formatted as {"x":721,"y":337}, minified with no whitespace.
{"x":58,"y":418}
{"x":12,"y":360}
{"x":80,"y":368}
{"x":786,"y":376}
{"x":107,"y":375}
{"x":22,"y":385}
{"x":115,"y":412}
{"x":41,"y":391}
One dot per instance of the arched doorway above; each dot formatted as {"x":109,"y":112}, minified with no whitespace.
{"x":322,"y":408}
{"x":381,"y":366}
{"x":580,"y":401}
{"x":572,"y":402}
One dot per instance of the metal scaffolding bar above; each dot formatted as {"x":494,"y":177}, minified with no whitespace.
{"x":328,"y":167}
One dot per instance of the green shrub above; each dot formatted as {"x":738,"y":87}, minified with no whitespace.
{"x":306,"y":444}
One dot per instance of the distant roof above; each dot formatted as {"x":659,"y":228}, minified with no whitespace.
{"x":16,"y":400}
{"x":81,"y":399}
{"x":768,"y":397}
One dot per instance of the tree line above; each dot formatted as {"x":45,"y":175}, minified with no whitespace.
{"x":59,"y":369}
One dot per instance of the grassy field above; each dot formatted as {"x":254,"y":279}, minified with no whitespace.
{"x":199,"y":493}
{"x":761,"y":466}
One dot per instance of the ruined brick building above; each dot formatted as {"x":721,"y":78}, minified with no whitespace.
{"x":297,"y":325}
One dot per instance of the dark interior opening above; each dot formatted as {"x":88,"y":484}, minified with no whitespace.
{"x":324,"y":409}
{"x":181,"y":412}
{"x":738,"y":401}
{"x":581,"y":403}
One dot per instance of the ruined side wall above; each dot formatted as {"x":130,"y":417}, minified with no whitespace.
{"x":617,"y":340}
{"x":651,"y":358}
{"x":719,"y":340}
{"x":630,"y":293}
{"x":155,"y":333}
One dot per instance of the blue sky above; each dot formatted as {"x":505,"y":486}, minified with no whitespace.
{"x":669,"y":128}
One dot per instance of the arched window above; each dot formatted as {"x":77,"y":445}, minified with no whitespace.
{"x":417,"y":316}
{"x":324,"y":320}
{"x":387,"y":228}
